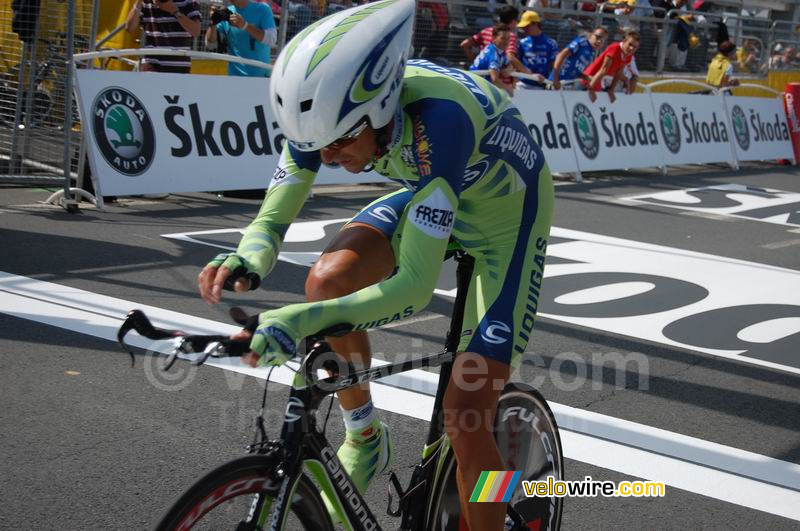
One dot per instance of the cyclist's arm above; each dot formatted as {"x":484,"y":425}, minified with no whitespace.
{"x":287,"y":192}
{"x":443,"y":147}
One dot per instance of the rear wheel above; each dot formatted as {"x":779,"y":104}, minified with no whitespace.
{"x":234,"y":496}
{"x":527,"y":436}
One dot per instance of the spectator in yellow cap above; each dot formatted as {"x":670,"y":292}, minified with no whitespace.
{"x":537,"y":51}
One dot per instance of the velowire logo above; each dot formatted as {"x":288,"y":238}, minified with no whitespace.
{"x":585,"y":130}
{"x":123,"y":131}
{"x":740,"y":129}
{"x":670,"y":128}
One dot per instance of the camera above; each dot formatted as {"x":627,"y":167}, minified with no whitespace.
{"x":220,"y":15}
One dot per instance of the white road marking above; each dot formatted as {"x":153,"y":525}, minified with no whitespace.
{"x":781,"y":245}
{"x":592,"y":255}
{"x":708,"y":215}
{"x":710,"y":469}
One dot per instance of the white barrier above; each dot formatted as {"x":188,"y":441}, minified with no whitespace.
{"x":154,"y":133}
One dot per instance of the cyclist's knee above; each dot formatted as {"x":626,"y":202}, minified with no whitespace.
{"x":329,"y":280}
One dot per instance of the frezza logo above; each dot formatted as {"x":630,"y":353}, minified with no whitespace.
{"x":740,"y":129}
{"x":670,"y":128}
{"x":123,"y":131}
{"x":585,"y":130}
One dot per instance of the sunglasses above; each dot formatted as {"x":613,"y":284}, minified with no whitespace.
{"x":350,"y":136}
{"x":344,"y":140}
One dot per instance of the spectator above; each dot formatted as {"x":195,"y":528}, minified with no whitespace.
{"x":747,"y":57}
{"x":507,"y":15}
{"x":720,"y":69}
{"x":249,"y":30}
{"x":165,"y":24}
{"x":537,"y":51}
{"x":776,"y":60}
{"x":679,"y":39}
{"x":612,"y":63}
{"x":437,"y":36}
{"x":624,"y":12}
{"x":578,"y":54}
{"x":494,"y":58}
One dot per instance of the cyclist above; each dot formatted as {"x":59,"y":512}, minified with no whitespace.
{"x":344,"y":93}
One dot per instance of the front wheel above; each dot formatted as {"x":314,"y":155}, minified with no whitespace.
{"x":238,"y":496}
{"x":527,"y":436}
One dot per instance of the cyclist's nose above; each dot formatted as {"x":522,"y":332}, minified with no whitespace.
{"x":329,"y":156}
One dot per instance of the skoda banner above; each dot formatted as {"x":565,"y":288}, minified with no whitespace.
{"x":759,"y":128}
{"x":547,"y":121}
{"x":615,"y":135}
{"x":152,"y":133}
{"x":692,"y":128}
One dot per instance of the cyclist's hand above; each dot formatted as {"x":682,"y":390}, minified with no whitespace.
{"x":274,"y":343}
{"x":229,"y":271}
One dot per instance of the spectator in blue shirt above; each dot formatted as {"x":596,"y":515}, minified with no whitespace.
{"x":537,"y":51}
{"x":493,"y":57}
{"x":573,"y":60}
{"x":249,"y":30}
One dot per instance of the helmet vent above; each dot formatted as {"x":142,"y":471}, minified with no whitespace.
{"x":306,"y":105}
{"x":280,"y":100}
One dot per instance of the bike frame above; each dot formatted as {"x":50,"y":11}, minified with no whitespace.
{"x":306,"y":446}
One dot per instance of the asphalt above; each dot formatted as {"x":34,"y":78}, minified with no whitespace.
{"x":87,"y":442}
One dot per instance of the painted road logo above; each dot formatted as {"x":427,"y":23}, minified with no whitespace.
{"x":740,"y":129}
{"x":123,"y":131}
{"x":670,"y":128}
{"x":585,"y":130}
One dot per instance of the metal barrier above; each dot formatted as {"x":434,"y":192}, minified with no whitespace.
{"x":39,"y":123}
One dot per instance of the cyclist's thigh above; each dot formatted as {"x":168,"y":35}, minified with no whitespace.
{"x":504,"y":292}
{"x":363,"y":249}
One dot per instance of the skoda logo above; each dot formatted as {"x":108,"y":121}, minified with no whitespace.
{"x":740,"y":129}
{"x":670,"y":129}
{"x":123,"y":131}
{"x":585,"y":130}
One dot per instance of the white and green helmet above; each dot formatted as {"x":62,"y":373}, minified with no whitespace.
{"x":341,"y":69}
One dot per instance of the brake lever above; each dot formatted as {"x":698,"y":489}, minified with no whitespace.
{"x":137,"y":320}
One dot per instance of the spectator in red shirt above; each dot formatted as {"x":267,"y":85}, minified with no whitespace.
{"x":612,"y":62}
{"x":507,"y":15}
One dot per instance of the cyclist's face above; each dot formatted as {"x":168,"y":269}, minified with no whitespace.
{"x":352,"y":156}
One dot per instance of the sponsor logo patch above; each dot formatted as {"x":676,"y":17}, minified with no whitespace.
{"x":434,"y":216}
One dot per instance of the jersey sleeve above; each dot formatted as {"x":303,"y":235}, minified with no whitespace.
{"x":574,"y":45}
{"x":287,"y":192}
{"x":444,"y":139}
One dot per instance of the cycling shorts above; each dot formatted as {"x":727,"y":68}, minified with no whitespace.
{"x":507,"y":235}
